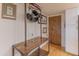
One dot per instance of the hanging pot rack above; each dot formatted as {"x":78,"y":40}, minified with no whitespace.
{"x":26,"y":41}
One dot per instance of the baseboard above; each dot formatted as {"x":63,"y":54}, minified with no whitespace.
{"x":71,"y":53}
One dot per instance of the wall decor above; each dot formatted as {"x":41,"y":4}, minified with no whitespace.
{"x":44,"y":29}
{"x":43,"y":20}
{"x":9,"y":11}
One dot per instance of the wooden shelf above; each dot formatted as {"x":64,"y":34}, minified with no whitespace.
{"x":43,"y":52}
{"x":31,"y":44}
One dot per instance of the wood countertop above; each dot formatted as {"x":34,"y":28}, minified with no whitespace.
{"x":31,"y":44}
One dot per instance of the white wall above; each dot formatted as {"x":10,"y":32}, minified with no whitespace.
{"x":11,"y":31}
{"x":62,"y":26}
{"x":33,"y":29}
{"x":71,"y":31}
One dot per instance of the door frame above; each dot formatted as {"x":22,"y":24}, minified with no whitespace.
{"x":62,"y":25}
{"x":78,"y":35}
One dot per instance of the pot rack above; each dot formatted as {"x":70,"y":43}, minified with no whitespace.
{"x":24,"y":44}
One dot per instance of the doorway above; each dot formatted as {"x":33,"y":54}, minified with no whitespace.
{"x":55,"y":30}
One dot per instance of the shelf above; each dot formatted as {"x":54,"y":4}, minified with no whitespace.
{"x":43,"y":52}
{"x":31,"y":44}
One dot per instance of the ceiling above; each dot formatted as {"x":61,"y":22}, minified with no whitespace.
{"x":52,"y":8}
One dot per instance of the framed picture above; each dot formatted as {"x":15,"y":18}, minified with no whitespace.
{"x":9,"y":11}
{"x":44,"y":29}
{"x":43,"y":20}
